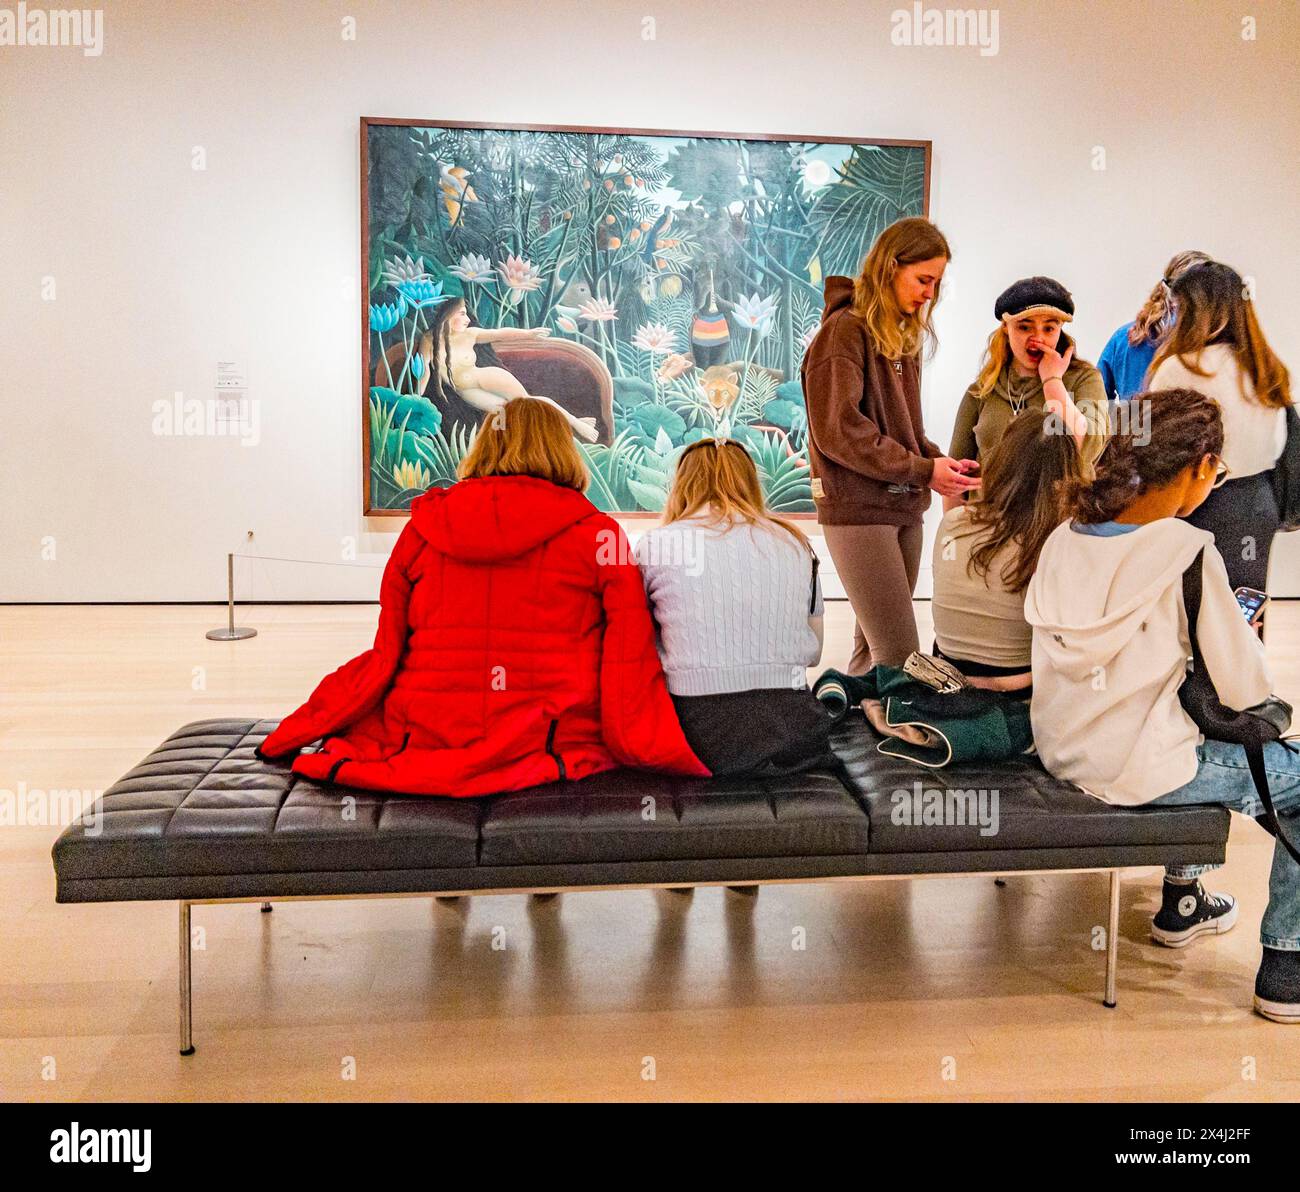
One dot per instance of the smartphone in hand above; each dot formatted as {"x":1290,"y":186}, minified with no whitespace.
{"x":1252,"y":602}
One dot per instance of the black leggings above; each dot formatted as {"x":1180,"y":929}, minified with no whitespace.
{"x":1242,"y":515}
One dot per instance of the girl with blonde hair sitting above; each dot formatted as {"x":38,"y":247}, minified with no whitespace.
{"x":738,"y":605}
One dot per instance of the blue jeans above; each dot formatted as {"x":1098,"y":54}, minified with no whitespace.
{"x":1224,"y":778}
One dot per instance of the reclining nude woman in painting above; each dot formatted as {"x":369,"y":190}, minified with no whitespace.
{"x":447,"y":350}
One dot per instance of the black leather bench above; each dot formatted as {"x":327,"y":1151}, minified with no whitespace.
{"x":203,"y":819}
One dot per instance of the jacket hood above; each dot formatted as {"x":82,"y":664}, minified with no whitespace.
{"x":838,"y":293}
{"x":493,"y":518}
{"x":1086,"y":616}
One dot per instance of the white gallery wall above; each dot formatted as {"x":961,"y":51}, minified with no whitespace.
{"x":127,"y":274}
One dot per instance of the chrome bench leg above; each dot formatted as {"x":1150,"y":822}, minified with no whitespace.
{"x":187,"y":1019}
{"x":1112,"y":941}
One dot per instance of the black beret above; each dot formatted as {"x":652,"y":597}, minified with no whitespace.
{"x":1034,"y":295}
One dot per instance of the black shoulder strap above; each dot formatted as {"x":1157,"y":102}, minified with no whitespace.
{"x":1192,"y":603}
{"x":1255,"y":752}
{"x":812,"y":592}
{"x":1255,"y":760}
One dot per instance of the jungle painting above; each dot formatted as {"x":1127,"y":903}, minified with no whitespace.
{"x":658,"y":287}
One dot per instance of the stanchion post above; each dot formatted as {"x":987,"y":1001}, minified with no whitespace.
{"x":232,"y":632}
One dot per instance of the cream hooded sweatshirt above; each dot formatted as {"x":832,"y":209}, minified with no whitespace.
{"x":1110,"y":650}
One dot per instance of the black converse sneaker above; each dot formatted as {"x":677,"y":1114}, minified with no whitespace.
{"x":1188,"y":912}
{"x":1277,"y":986}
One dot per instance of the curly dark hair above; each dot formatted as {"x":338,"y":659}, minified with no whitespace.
{"x":1185,"y":426}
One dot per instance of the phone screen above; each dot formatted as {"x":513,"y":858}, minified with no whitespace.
{"x":1251,"y":601}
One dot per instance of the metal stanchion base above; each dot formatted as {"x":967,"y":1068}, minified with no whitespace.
{"x":238,"y":633}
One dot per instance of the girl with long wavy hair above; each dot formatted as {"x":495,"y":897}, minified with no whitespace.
{"x":873,"y":468}
{"x":987,"y":549}
{"x":1216,"y":347}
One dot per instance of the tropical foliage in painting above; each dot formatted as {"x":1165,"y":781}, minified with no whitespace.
{"x":690,"y":268}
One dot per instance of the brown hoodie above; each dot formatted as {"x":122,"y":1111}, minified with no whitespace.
{"x":871,"y":462}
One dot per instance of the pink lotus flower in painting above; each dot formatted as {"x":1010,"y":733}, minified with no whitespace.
{"x":598,"y":310}
{"x":654,"y":337}
{"x":520,"y":276}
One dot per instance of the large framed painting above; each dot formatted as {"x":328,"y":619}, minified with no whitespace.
{"x":657,"y":286}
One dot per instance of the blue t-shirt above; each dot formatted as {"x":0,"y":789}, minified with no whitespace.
{"x":1109,"y":529}
{"x":1123,"y":367}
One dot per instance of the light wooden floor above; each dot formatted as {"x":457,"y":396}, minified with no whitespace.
{"x":941,"y":988}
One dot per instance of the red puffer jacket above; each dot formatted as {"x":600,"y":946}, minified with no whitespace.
{"x":515,"y":647}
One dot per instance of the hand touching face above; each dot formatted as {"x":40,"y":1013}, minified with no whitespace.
{"x":1030,"y":337}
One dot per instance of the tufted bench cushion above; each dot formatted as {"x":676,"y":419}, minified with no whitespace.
{"x":204,"y":803}
{"x":202,"y":817}
{"x":1034,"y":810}
{"x":625,"y":816}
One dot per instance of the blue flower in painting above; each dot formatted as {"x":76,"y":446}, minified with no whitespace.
{"x":417,"y":367}
{"x":385,"y":317}
{"x":755,"y":313}
{"x":421,"y":292}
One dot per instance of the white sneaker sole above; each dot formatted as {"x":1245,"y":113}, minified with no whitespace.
{"x":1278,"y":1011}
{"x":1180,"y":939}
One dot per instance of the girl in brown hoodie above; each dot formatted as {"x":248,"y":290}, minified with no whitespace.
{"x":872,"y":466}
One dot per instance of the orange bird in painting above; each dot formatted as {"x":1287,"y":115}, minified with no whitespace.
{"x":452,"y":181}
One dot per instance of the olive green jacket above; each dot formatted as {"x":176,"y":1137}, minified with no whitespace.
{"x":982,"y":421}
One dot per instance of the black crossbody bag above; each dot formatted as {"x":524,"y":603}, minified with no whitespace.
{"x":1252,"y":729}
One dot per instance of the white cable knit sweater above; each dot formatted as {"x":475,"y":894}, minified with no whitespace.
{"x":731,"y":606}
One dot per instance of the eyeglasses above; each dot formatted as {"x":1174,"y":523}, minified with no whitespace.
{"x":1221,"y":472}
